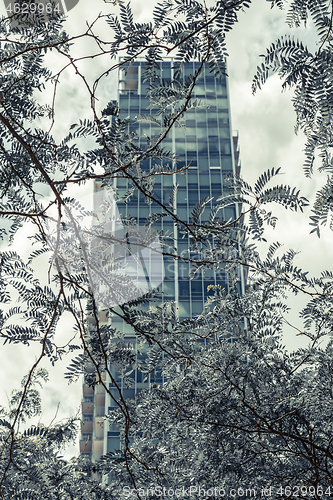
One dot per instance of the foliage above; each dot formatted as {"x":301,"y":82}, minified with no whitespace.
{"x":235,"y":407}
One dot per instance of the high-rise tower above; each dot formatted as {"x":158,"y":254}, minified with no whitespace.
{"x":210,"y":150}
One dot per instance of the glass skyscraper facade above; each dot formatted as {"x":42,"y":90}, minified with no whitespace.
{"x":207,"y":146}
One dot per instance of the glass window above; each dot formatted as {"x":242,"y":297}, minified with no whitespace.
{"x":144,"y":102}
{"x":182,"y":246}
{"x":184,"y":309}
{"x":191,"y":148}
{"x":216,"y":193}
{"x":115,"y":395}
{"x":197,"y":307}
{"x":229,"y":213}
{"x":192,"y":160}
{"x":128,"y":393}
{"x":210,"y":87}
{"x":227,"y":164}
{"x":190,"y":132}
{"x":221,"y":89}
{"x":183,"y":269}
{"x":179,"y":132}
{"x":213,"y":146}
{"x":167,"y":145}
{"x":145,"y":128}
{"x":223,"y":117}
{"x":204,"y":179}
{"x":181,"y":178}
{"x":113,"y":433}
{"x":184,"y":289}
{"x":196,"y":287}
{"x":166,"y":71}
{"x":169,"y":288}
{"x":202,"y":147}
{"x":209,"y":273}
{"x":215,"y":179}
{"x":199,"y":89}
{"x":204,"y":193}
{"x":182,"y":196}
{"x":188,"y":69}
{"x":192,"y":177}
{"x":113,"y":443}
{"x":140,"y":376}
{"x":144,"y":211}
{"x":134,"y":101}
{"x":210,"y":101}
{"x":224,"y":133}
{"x":180,"y":147}
{"x":182,"y":213}
{"x":203,"y":163}
{"x":169,"y":269}
{"x":167,"y":182}
{"x":193,"y":197}
{"x":222,"y":103}
{"x":190,"y":123}
{"x":202,"y":133}
{"x":132,"y":211}
{"x":123,"y":101}
{"x":225,"y":148}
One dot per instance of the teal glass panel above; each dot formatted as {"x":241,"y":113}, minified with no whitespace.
{"x":202,"y":147}
{"x":182,"y":213}
{"x":196,"y":288}
{"x":229,"y":213}
{"x":204,"y":193}
{"x":181,"y":179}
{"x":192,"y":177}
{"x":215,"y":179}
{"x":128,"y":393}
{"x":184,"y":309}
{"x":184,"y":289}
{"x":227,"y":164}
{"x":170,"y":268}
{"x":115,"y":394}
{"x":183,"y":269}
{"x":113,"y":443}
{"x":182,"y":195}
{"x":197,"y":307}
{"x":133,"y":211}
{"x":167,"y":181}
{"x":144,"y":211}
{"x":134,"y":101}
{"x":222,"y":103}
{"x":169,"y":288}
{"x":203,"y":163}
{"x":204,"y":179}
{"x":214,"y":146}
{"x":224,"y":132}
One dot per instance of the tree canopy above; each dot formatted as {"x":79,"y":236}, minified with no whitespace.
{"x":246,"y":414}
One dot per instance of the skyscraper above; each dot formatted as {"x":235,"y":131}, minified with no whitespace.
{"x":207,"y":146}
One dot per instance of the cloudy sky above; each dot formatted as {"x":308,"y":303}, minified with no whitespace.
{"x":266,"y":129}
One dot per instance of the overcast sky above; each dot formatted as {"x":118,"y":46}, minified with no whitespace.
{"x":266,"y":135}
